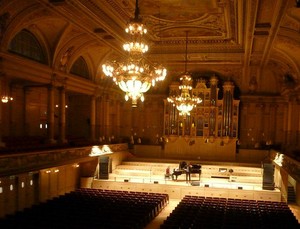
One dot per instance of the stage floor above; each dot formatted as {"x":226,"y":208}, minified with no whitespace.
{"x":245,"y":183}
{"x":195,"y":181}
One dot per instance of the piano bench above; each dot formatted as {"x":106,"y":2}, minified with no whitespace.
{"x":168,"y":176}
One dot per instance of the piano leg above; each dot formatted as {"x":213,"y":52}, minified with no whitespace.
{"x":174,"y":177}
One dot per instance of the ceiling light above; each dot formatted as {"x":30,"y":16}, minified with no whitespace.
{"x":185,"y":101}
{"x":136,"y":75}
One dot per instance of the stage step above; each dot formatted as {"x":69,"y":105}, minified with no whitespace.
{"x":291,"y":196}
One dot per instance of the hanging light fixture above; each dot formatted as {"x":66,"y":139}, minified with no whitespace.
{"x":185,"y":102}
{"x":136,"y":75}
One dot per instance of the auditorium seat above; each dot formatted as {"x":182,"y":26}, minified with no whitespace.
{"x":212,"y":212}
{"x":91,"y":208}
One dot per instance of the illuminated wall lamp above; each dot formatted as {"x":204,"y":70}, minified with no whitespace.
{"x":6,"y":98}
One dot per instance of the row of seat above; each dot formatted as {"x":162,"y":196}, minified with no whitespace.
{"x":213,"y":212}
{"x":91,"y":208}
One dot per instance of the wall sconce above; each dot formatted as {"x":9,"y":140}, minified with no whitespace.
{"x":6,"y":99}
{"x":57,"y":106}
{"x":5,"y":91}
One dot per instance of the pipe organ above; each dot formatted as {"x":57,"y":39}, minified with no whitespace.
{"x":213,"y":118}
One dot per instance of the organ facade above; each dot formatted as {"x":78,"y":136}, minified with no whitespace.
{"x":217,"y":116}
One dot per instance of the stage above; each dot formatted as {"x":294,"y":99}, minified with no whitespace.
{"x":219,"y":180}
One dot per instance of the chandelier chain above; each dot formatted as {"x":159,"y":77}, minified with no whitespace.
{"x":185,"y":102}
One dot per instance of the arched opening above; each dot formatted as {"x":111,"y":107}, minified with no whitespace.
{"x":26,"y":45}
{"x":80,"y":68}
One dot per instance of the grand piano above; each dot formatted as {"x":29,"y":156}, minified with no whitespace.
{"x":184,"y":168}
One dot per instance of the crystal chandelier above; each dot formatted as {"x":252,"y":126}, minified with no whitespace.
{"x":185,"y":102}
{"x":136,"y":75}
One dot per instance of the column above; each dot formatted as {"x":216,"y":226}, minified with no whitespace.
{"x":274,"y":126}
{"x":2,"y":144}
{"x":50,"y":114}
{"x":285,"y":108}
{"x":290,"y":125}
{"x":25,"y":124}
{"x":62,"y":115}
{"x":118,"y":117}
{"x":101,"y":117}
{"x":93,"y":118}
{"x":106,"y":115}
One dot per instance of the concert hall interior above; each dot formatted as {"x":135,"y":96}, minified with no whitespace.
{"x":149,"y":114}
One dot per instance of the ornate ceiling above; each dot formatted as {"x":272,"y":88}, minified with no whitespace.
{"x":255,"y":43}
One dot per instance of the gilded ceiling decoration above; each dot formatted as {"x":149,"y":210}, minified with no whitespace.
{"x":235,"y":39}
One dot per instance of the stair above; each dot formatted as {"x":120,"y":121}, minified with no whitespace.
{"x":291,"y":195}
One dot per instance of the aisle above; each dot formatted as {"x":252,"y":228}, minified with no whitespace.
{"x":155,"y":224}
{"x":296,"y":210}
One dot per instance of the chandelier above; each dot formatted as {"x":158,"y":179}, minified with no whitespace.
{"x":185,"y":102}
{"x":136,"y":75}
